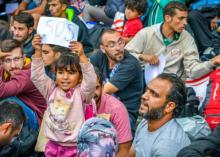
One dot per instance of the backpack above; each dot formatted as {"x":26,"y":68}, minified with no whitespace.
{"x":212,"y":107}
{"x":195,"y":126}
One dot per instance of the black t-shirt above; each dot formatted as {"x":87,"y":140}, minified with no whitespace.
{"x":127,"y":78}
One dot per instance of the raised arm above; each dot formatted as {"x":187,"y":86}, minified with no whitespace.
{"x":89,"y":77}
{"x":38,"y":76}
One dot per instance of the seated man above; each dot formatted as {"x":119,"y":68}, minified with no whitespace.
{"x":23,"y":31}
{"x":12,"y":118}
{"x":121,"y":71}
{"x":112,"y":109}
{"x":15,"y":78}
{"x":60,"y":8}
{"x":158,"y":134}
{"x":203,"y":25}
{"x":171,"y":40}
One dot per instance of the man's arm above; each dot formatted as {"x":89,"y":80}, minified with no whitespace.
{"x":123,"y":149}
{"x":23,"y":5}
{"x":136,"y":45}
{"x":15,"y":85}
{"x":193,"y":67}
{"x":38,"y":10}
{"x":109,"y":88}
{"x":131,"y":152}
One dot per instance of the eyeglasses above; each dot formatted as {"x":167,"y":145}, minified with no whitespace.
{"x":112,"y":44}
{"x":9,"y":60}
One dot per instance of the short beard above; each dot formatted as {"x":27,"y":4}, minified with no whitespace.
{"x":154,"y":114}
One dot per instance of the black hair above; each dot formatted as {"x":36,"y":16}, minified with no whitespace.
{"x":25,"y":18}
{"x":171,"y":7}
{"x":10,"y":44}
{"x":11,"y":112}
{"x":177,"y":93}
{"x":138,"y":5}
{"x":68,"y":60}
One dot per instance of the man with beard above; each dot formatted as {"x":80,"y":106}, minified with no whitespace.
{"x":122,"y":74}
{"x":158,"y":134}
{"x":15,"y":77}
{"x":23,"y":31}
{"x":112,"y":109}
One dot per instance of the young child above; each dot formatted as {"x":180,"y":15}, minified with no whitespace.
{"x":133,"y":10}
{"x":66,"y":97}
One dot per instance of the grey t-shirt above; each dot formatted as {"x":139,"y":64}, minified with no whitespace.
{"x":164,"y":142}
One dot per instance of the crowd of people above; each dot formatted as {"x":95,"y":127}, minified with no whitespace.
{"x":86,"y":101}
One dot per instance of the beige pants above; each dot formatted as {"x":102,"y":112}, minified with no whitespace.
{"x":42,"y":139}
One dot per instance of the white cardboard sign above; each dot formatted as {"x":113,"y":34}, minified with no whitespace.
{"x":57,"y":31}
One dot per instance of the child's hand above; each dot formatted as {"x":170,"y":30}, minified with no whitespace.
{"x":76,"y":47}
{"x":36,"y":42}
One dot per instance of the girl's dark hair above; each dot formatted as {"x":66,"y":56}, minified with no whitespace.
{"x":68,"y":60}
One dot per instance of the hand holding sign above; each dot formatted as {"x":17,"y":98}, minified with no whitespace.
{"x":57,"y":31}
{"x":76,"y":47}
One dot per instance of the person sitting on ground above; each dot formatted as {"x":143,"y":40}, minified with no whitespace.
{"x":122,"y":75}
{"x":133,"y":10}
{"x":23,"y":31}
{"x":174,"y":43}
{"x":66,"y":97}
{"x":15,"y":77}
{"x":12,"y":118}
{"x":112,"y":109}
{"x":155,"y":13}
{"x":158,"y":134}
{"x":203,"y":24}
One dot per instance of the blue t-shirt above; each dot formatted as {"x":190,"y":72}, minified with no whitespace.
{"x":166,"y":141}
{"x":127,"y":78}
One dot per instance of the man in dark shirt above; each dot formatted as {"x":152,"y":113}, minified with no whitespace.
{"x":122,"y":72}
